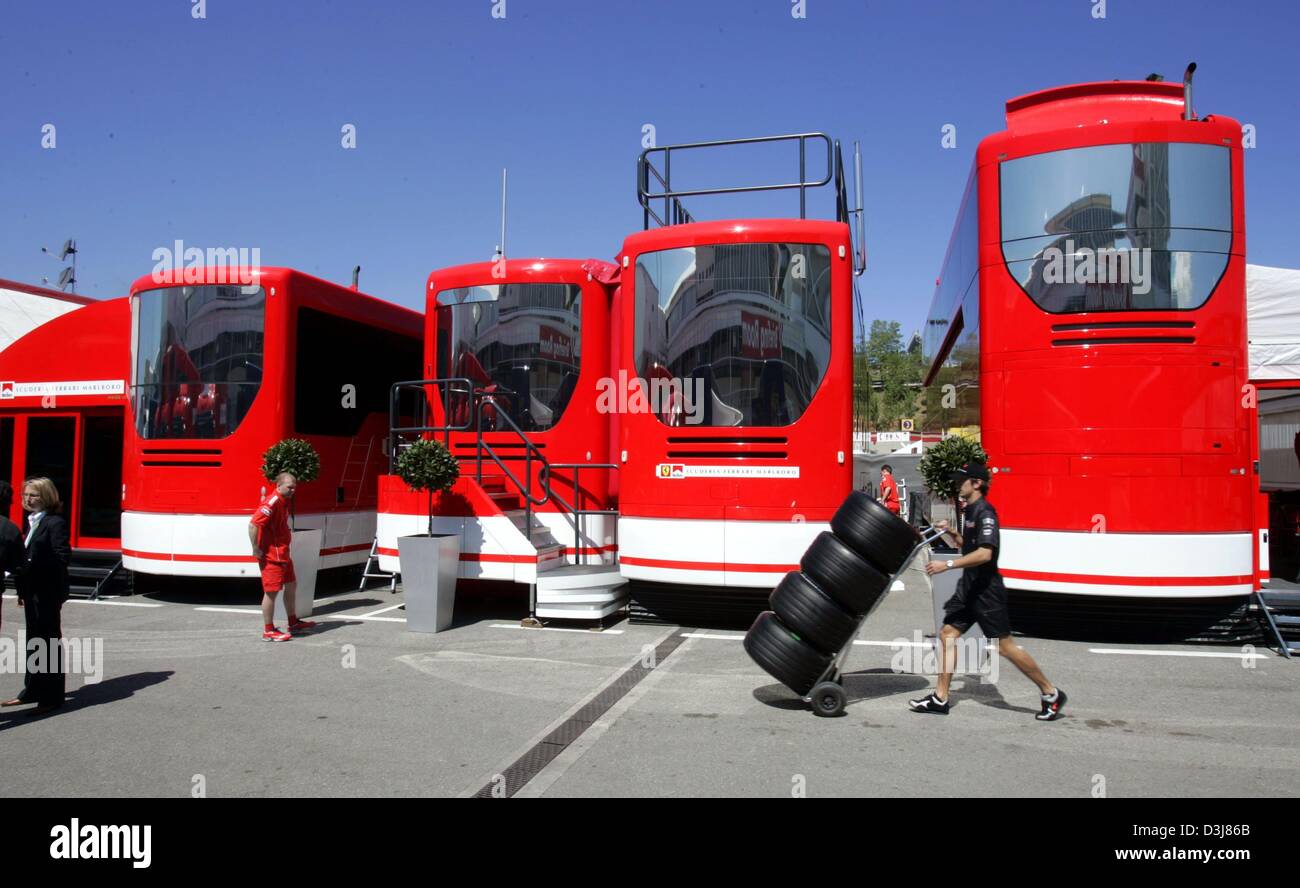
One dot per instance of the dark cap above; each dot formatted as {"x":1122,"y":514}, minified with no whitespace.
{"x":974,"y":470}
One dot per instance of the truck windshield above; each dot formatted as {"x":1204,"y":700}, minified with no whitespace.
{"x":1136,"y":227}
{"x":197,"y":362}
{"x":742,"y":330}
{"x":521,"y":343}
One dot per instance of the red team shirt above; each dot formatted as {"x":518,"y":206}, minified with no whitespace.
{"x":889,"y":494}
{"x":273,"y":535}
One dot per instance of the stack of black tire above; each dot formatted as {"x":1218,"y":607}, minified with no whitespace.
{"x":817,"y":609}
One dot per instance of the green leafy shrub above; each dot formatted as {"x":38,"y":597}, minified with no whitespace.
{"x":945,"y":457}
{"x":292,"y":455}
{"x":429,"y":466}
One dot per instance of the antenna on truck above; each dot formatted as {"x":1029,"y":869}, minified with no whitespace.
{"x":501,"y":247}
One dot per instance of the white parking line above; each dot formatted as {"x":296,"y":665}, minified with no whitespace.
{"x":896,"y":644}
{"x":113,"y":603}
{"x":320,"y":617}
{"x":382,"y":610}
{"x":12,"y":596}
{"x":1212,"y":654}
{"x":864,"y":642}
{"x":556,"y":629}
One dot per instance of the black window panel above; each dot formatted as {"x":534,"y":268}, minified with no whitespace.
{"x":101,"y":477}
{"x":7,"y":461}
{"x":334,"y":352}
{"x":959,"y":274}
{"x":51,"y":448}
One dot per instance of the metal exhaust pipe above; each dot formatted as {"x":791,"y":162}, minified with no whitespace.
{"x":356,"y":276}
{"x":1187,"y":92}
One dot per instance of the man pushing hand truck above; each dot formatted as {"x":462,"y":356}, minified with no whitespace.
{"x":980,"y":598}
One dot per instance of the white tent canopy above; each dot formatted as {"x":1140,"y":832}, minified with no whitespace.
{"x":1273,"y":322}
{"x":23,"y":310}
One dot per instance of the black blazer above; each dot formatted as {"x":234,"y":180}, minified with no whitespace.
{"x":12,"y":557}
{"x":44,"y":571}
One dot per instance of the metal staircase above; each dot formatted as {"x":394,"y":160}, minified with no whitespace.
{"x":95,"y":573}
{"x":1280,"y":609}
{"x":561,"y":589}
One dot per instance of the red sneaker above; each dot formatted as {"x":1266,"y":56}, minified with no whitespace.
{"x":302,"y":625}
{"x":274,"y":634}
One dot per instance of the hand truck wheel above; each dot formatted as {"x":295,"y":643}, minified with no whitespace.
{"x":827,"y":699}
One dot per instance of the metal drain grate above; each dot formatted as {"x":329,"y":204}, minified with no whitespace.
{"x":530,"y":764}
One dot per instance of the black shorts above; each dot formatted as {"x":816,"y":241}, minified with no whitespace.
{"x":987,"y":606}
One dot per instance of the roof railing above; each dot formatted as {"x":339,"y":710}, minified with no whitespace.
{"x":662,"y":203}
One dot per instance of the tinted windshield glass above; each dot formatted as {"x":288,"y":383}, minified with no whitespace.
{"x":746,"y":326}
{"x":519,"y":342}
{"x":198,"y":359}
{"x":1146,"y":226}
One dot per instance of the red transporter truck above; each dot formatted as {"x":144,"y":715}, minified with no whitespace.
{"x":517,"y":355}
{"x":221,"y":371}
{"x":748,"y":323}
{"x":1089,"y":326}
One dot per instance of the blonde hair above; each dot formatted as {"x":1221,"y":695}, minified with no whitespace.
{"x":48,"y":493}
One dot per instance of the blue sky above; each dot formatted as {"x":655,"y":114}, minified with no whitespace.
{"x":225,"y":131}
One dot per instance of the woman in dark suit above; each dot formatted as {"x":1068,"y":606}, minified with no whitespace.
{"x":11,"y":538}
{"x":42,"y":589}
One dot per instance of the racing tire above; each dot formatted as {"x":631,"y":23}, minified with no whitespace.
{"x":784,"y":655}
{"x":843,"y":574}
{"x":813,"y":615}
{"x":874,"y":532}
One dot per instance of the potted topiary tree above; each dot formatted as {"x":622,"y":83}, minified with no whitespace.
{"x":300,"y":459}
{"x":430,"y":562}
{"x":944,"y":458}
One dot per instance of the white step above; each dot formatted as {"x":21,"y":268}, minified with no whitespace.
{"x":581,"y":576}
{"x":580,"y":592}
{"x":578,"y":611}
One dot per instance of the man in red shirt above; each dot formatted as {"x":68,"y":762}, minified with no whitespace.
{"x":269,"y":533}
{"x":889,"y":490}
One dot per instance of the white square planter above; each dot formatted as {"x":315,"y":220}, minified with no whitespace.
{"x":305,"y":552}
{"x":429,"y":568}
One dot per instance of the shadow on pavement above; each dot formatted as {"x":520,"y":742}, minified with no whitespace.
{"x":864,"y":684}
{"x":986,"y":694}
{"x":107,"y":691}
